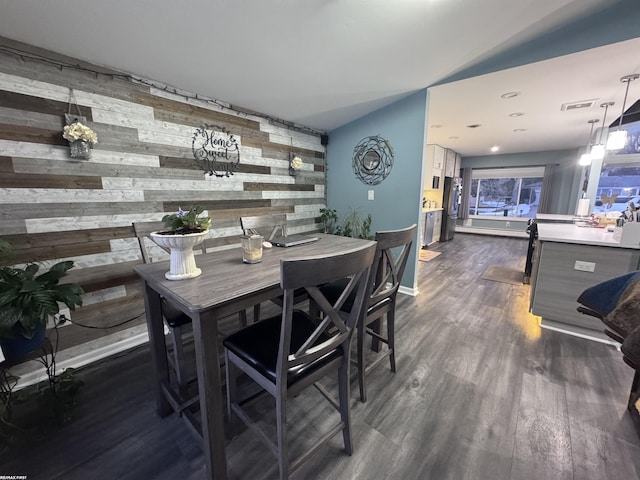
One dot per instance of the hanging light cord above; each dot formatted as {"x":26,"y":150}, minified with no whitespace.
{"x":627,"y":79}
{"x":606,"y":106}
{"x":592,"y":122}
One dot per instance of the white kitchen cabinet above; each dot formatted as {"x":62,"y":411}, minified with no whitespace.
{"x":438,"y":157}
{"x":450,"y":163}
{"x":456,"y":168}
{"x":433,"y":163}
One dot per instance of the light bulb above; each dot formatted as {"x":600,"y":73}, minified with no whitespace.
{"x":585,"y":159}
{"x":617,"y":140}
{"x":597,"y":152}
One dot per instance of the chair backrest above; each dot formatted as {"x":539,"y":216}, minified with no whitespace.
{"x":142,"y":231}
{"x":392,"y":252}
{"x":335,"y":327}
{"x":262,"y":223}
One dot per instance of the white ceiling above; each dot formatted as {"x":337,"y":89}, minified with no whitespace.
{"x":592,"y":75}
{"x":324,"y":63}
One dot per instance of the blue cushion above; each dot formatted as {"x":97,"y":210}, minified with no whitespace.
{"x":603,"y":297}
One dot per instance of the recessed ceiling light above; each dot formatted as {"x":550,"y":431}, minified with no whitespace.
{"x":474,"y":125}
{"x":510,"y":94}
{"x":436,"y":125}
{"x":495,"y":148}
{"x":516,"y":114}
{"x":519,"y":129}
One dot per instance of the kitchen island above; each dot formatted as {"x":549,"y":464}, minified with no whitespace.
{"x":569,"y":259}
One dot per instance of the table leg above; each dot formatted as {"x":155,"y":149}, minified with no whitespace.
{"x":157,"y":345}
{"x":205,"y":334}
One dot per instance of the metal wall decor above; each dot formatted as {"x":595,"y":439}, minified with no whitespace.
{"x":215,"y":150}
{"x":372,"y":160}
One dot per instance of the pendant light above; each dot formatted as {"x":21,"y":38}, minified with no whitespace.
{"x":597,"y":151}
{"x":618,"y":139}
{"x":585,"y":158}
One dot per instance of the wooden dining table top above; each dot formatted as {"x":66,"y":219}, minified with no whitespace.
{"x":226,"y":278}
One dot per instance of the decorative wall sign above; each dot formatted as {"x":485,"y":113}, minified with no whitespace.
{"x":215,"y":150}
{"x":372,"y":160}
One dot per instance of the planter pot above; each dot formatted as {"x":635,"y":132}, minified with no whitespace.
{"x":80,"y":149}
{"x":18,"y":346}
{"x":183,"y":262}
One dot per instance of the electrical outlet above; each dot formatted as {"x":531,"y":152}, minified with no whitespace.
{"x":508,"y":224}
{"x":370,"y":195}
{"x":63,"y":319}
{"x":584,"y":266}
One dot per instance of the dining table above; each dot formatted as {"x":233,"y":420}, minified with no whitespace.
{"x":225,"y":287}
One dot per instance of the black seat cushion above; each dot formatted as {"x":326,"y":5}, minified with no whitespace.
{"x":258,"y":345}
{"x":333,"y":290}
{"x":173,"y":316}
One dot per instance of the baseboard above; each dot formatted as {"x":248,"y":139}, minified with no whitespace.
{"x":30,"y":373}
{"x":588,"y":334}
{"x":408,"y":291}
{"x":491,"y":231}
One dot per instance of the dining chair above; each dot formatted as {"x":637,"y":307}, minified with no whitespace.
{"x":178,"y":323}
{"x":268,"y":226}
{"x":392,"y":252}
{"x":292,"y":351}
{"x":265,"y":225}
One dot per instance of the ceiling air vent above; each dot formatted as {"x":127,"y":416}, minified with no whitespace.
{"x":577,"y":105}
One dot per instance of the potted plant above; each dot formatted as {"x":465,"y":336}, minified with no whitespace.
{"x":352,"y":225}
{"x":81,"y":139}
{"x":27,"y":299}
{"x":185,"y":230}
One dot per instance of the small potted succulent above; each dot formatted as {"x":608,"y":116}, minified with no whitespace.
{"x":81,"y":139}
{"x":184,"y":230}
{"x":27,"y":299}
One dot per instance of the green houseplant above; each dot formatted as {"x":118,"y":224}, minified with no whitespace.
{"x":185,"y":230}
{"x":351,"y":226}
{"x":28,"y":298}
{"x":184,"y":222}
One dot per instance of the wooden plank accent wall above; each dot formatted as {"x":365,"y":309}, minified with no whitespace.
{"x":57,"y":208}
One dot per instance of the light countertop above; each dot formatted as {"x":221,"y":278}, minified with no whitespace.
{"x":570,"y":233}
{"x":427,"y":210}
{"x":554,"y":217}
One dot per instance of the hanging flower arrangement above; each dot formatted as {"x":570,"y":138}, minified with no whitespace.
{"x":81,"y":138}
{"x":78,"y":131}
{"x":295,"y":164}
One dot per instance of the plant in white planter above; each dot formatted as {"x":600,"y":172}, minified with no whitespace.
{"x":185,"y":230}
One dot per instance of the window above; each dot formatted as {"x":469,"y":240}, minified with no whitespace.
{"x":618,"y":185}
{"x":506,"y":192}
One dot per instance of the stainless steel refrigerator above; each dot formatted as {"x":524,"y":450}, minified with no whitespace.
{"x":451,"y":202}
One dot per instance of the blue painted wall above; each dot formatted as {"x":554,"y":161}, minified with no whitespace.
{"x":396,"y":201}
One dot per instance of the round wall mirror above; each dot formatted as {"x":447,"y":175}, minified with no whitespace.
{"x":372,"y":160}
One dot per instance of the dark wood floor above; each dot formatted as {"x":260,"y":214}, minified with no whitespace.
{"x":481,"y":392}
